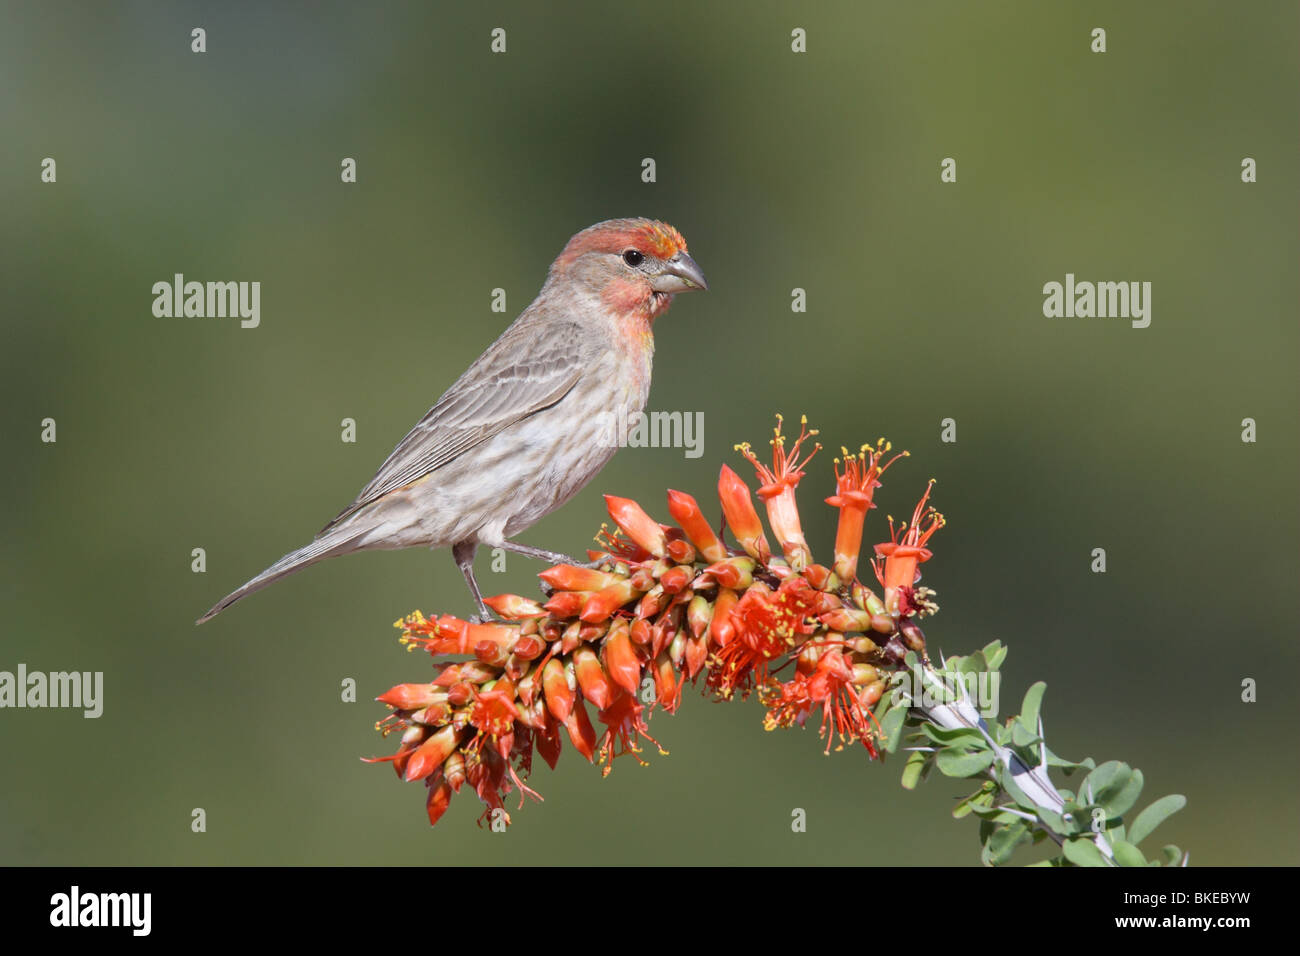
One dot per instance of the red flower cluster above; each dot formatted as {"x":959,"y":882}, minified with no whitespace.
{"x":663,"y":605}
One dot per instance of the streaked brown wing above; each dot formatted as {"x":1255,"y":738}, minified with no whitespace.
{"x":520,"y":374}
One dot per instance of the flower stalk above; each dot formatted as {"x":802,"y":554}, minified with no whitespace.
{"x":664,"y":606}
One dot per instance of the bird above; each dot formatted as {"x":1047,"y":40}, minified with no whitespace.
{"x":524,"y":429}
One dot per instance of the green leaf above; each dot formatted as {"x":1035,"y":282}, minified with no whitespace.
{"x":953,"y":762}
{"x":886,"y":705}
{"x":1081,"y":851}
{"x":980,"y":798}
{"x":1004,"y":841}
{"x":1126,"y":854}
{"x":1171,"y":855}
{"x":1119,"y":796}
{"x":1114,"y":786}
{"x":1100,"y":777}
{"x":1008,"y":781}
{"x":1154,"y":815}
{"x":1030,"y":707}
{"x":1055,"y":821}
{"x":995,"y":654}
{"x":1022,"y":736}
{"x":891,"y":728}
{"x":996,"y":815}
{"x":913,"y":769}
{"x":942,"y":735}
{"x":1069,"y":766}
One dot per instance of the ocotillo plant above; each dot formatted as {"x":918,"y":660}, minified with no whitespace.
{"x":661,"y":606}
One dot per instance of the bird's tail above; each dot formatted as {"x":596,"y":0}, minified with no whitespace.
{"x":326,"y":546}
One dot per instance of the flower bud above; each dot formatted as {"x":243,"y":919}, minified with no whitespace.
{"x":697,"y":652}
{"x":686,"y":512}
{"x":621,"y":659}
{"x":581,"y":733}
{"x":675,"y":579}
{"x":513,"y":607}
{"x":412,"y":696}
{"x":667,"y":689}
{"x":591,"y":677}
{"x":698,"y":614}
{"x":641,"y":632}
{"x":439,"y":800}
{"x":847,"y":619}
{"x":429,"y":756}
{"x":566,"y":604}
{"x":559,"y":696}
{"x":681,"y":551}
{"x":722,"y":628}
{"x":548,"y":742}
{"x":637,"y":525}
{"x":742,"y":519}
{"x":608,"y":600}
{"x":737,"y":573}
{"x":567,"y":577}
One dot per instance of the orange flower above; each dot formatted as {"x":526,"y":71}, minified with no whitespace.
{"x":906,"y":549}
{"x":668,"y":602}
{"x":831,"y":687}
{"x":567,"y":577}
{"x":637,"y":525}
{"x":621,"y":659}
{"x":429,"y":756}
{"x":686,"y":512}
{"x":854,"y":488}
{"x":624,"y":728}
{"x":591,"y":677}
{"x":412,"y":696}
{"x":768,"y":624}
{"x":777,"y":491}
{"x":513,"y":607}
{"x":742,"y":519}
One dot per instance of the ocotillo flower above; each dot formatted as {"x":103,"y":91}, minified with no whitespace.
{"x":854,"y":488}
{"x":665,"y":605}
{"x":777,"y":491}
{"x":742,"y":519}
{"x":905,"y":550}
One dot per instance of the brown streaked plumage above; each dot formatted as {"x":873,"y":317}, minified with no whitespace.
{"x":520,"y":432}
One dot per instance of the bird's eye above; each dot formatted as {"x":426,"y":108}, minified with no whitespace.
{"x":633,"y":258}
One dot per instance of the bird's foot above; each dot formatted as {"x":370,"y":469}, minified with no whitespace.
{"x":542,"y":554}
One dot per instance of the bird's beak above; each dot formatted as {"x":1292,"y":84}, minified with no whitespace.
{"x":681,"y":273}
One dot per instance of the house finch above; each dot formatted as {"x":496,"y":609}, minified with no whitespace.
{"x":525,"y":428}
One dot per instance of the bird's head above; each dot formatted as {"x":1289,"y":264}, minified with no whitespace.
{"x":636,"y":265}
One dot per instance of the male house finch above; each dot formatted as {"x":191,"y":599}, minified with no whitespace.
{"x":521,"y":432}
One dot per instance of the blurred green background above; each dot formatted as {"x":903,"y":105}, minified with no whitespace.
{"x":818,"y":171}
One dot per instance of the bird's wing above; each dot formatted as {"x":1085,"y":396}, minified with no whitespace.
{"x":521,"y":373}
